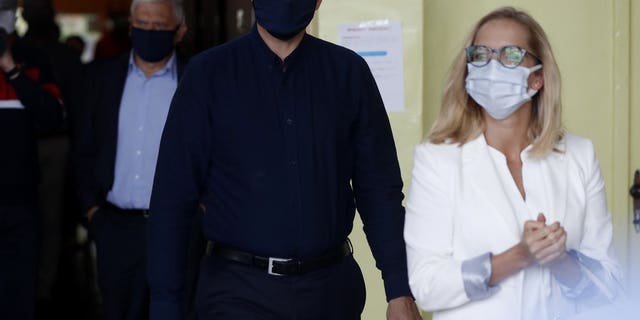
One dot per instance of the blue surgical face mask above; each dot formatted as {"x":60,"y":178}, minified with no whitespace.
{"x":284,"y":19}
{"x":152,"y":45}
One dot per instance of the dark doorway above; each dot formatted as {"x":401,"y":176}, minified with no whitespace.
{"x":215,"y":22}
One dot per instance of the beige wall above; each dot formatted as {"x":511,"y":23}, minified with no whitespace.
{"x":595,"y":43}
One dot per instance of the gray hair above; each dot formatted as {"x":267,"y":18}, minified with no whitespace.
{"x":176,"y":4}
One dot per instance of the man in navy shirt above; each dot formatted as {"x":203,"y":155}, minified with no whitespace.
{"x":279,"y":136}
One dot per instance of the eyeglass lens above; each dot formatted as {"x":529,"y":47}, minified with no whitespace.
{"x":509,"y":56}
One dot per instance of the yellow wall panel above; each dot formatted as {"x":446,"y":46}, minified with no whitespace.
{"x":407,"y":125}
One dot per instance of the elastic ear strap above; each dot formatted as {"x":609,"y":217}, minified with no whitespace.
{"x":535,"y":68}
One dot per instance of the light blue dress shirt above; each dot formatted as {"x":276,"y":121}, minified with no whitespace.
{"x":143,"y":112}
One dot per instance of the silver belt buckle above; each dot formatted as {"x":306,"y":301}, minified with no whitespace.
{"x":271,"y":261}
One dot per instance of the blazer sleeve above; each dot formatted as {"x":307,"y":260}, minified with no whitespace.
{"x":435,"y":276}
{"x":597,"y":239}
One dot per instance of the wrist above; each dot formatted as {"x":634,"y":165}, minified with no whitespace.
{"x":523,"y":256}
{"x":12,"y":73}
{"x":559,"y":262}
{"x":566,"y":270}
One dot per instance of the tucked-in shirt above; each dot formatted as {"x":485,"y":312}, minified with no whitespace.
{"x":143,"y":111}
{"x":280,"y":153}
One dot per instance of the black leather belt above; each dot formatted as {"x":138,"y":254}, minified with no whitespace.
{"x":128,"y":212}
{"x":282,"y":266}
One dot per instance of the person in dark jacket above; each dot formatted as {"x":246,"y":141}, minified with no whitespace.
{"x":57,"y":228}
{"x":30,"y":103}
{"x":116,"y":149}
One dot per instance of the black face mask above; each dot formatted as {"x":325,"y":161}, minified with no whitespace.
{"x":152,"y":45}
{"x":284,"y":18}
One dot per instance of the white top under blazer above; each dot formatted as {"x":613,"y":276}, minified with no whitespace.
{"x":463,"y":203}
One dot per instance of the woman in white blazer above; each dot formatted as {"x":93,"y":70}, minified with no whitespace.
{"x":506,"y":214}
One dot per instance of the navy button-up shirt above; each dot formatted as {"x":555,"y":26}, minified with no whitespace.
{"x":280,"y":153}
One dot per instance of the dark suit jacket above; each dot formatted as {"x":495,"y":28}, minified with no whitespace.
{"x":96,"y":135}
{"x":96,"y":139}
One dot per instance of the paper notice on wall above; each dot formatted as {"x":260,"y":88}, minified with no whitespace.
{"x":380,"y":44}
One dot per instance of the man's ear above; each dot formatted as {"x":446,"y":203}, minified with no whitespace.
{"x":182,"y":30}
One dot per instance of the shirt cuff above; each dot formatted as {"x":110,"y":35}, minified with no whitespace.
{"x":396,"y":286}
{"x":13,"y":73}
{"x":576,"y":291}
{"x":586,"y":285}
{"x":476,"y":273}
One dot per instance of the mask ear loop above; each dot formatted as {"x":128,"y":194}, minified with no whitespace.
{"x":535,"y":68}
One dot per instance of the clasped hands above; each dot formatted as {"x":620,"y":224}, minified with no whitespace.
{"x":543,"y":244}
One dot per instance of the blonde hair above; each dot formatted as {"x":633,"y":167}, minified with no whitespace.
{"x":461,"y":120}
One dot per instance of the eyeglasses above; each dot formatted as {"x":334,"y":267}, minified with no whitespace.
{"x":508,"y":56}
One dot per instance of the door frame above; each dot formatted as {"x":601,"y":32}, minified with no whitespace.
{"x":628,"y":12}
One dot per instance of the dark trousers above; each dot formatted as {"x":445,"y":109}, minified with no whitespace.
{"x":52,"y":155}
{"x":18,"y":256}
{"x":228,"y":290}
{"x":121,"y":262}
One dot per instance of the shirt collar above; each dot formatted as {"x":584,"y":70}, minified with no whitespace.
{"x":269,"y":57}
{"x":170,"y":68}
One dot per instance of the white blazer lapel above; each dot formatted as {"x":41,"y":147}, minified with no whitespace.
{"x":555,"y":174}
{"x":480,"y":178}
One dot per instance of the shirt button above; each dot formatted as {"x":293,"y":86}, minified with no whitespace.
{"x":289,"y":121}
{"x":138,"y":152}
{"x":140,"y":128}
{"x":293,"y":163}
{"x":137,"y":176}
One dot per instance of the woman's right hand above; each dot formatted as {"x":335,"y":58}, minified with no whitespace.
{"x":91,"y":212}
